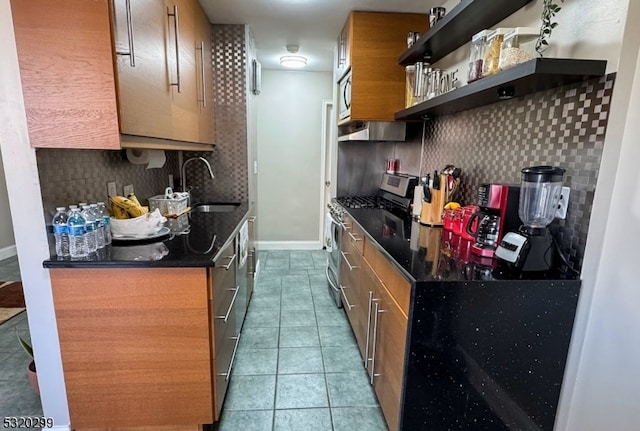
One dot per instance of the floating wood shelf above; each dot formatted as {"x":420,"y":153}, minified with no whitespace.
{"x":526,"y":78}
{"x":458,"y":26}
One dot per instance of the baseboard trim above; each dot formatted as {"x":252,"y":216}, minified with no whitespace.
{"x":289,"y":245}
{"x":7,"y":252}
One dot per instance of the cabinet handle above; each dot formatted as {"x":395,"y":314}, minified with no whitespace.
{"x":375,"y":340}
{"x":344,"y":256}
{"x":344,"y":295}
{"x":231,"y":259}
{"x":131,"y":53}
{"x":204,"y":90}
{"x":354,"y":238}
{"x":366,"y":346}
{"x":176,"y":30}
{"x":233,"y":358}
{"x":233,"y":300}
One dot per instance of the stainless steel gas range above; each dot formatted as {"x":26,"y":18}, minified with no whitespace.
{"x":395,"y":194}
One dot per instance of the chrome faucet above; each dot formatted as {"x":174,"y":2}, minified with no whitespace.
{"x":184,"y":171}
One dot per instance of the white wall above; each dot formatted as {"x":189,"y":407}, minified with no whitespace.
{"x":600,"y":391}
{"x":23,"y":188}
{"x":289,"y":151}
{"x":587,"y":29}
{"x":7,"y":242}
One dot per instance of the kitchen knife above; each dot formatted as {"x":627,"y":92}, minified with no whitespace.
{"x":427,"y":194}
{"x":436,"y":180}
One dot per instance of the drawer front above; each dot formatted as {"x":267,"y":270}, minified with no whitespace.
{"x":354,"y":235}
{"x":226,"y":347}
{"x":397,"y":285}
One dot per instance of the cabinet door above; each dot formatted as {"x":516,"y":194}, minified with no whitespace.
{"x":141,"y":43}
{"x":185,"y":112}
{"x":64,"y":53}
{"x":204,"y":79}
{"x":389,"y":334}
{"x":132,"y":354}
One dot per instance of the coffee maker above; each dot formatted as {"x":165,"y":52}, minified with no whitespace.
{"x":498,"y":214}
{"x":531,"y":246}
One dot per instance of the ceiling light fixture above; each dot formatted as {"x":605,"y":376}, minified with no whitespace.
{"x":293,"y":61}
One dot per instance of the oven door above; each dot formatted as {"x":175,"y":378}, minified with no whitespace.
{"x":333,"y":261}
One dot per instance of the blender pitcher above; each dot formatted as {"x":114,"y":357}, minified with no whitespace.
{"x":531,"y":248}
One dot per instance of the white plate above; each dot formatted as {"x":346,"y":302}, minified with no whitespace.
{"x":161,"y":232}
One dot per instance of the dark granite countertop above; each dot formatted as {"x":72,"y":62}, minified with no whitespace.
{"x":424,"y":253}
{"x":207,"y":236}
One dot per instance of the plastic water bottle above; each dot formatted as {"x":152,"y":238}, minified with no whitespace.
{"x":77,"y":233}
{"x":106,"y":222}
{"x":90,"y":227}
{"x":61,"y":232}
{"x":99,"y":222}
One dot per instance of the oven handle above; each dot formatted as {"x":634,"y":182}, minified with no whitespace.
{"x":337,"y":222}
{"x":326,"y":271}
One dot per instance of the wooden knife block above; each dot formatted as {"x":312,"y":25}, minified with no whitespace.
{"x":431,"y":213}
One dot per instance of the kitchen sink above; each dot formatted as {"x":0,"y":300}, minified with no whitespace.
{"x":215,"y":207}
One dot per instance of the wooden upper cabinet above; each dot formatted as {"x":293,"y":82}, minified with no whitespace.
{"x":160,"y":93}
{"x":204,"y":72}
{"x":64,"y":53}
{"x":144,"y":94}
{"x":375,"y":41}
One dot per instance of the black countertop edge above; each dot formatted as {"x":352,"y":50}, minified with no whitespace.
{"x":209,"y":234}
{"x":424,"y":254}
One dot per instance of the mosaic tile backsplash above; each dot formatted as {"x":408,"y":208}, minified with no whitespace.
{"x":229,"y":158}
{"x":72,"y":176}
{"x":563,"y":127}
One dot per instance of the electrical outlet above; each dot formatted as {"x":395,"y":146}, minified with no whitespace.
{"x":111,"y":188}
{"x":563,"y":204}
{"x":171,"y":180}
{"x":127,"y":190}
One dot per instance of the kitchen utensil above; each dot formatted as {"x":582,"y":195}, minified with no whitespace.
{"x":435,"y":15}
{"x":531,"y":248}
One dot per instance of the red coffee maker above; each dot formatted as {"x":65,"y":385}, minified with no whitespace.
{"x":497,"y":215}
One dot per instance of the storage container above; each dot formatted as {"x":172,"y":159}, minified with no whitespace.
{"x":491,"y":61}
{"x":476,"y":55}
{"x":518,"y":46}
{"x":169,"y":207}
{"x":409,"y":99}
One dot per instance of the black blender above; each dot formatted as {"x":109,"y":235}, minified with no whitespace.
{"x":531,"y":247}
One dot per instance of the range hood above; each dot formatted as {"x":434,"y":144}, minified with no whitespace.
{"x":372,"y":131}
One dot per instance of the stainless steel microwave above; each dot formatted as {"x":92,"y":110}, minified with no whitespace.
{"x":344,"y":97}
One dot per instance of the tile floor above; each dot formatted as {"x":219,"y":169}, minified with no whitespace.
{"x":17,"y":397}
{"x":297,"y":366}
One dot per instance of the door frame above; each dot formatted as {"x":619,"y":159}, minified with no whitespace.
{"x":328,"y":162}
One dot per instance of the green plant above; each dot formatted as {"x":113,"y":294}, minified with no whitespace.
{"x":25,"y":345}
{"x":549,"y":10}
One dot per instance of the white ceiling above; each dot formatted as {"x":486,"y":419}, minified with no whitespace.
{"x":314,"y":25}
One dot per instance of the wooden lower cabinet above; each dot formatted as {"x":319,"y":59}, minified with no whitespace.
{"x":147,"y":348}
{"x":135,"y":346}
{"x":225,"y":321}
{"x":350,"y":286}
{"x":389,"y":333}
{"x":385,"y":329}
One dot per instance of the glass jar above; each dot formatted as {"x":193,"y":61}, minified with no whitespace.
{"x":518,"y":46}
{"x":491,"y":61}
{"x":476,"y":55}
{"x":409,"y":97}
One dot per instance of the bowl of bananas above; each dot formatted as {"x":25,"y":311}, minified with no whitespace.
{"x":132,"y":220}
